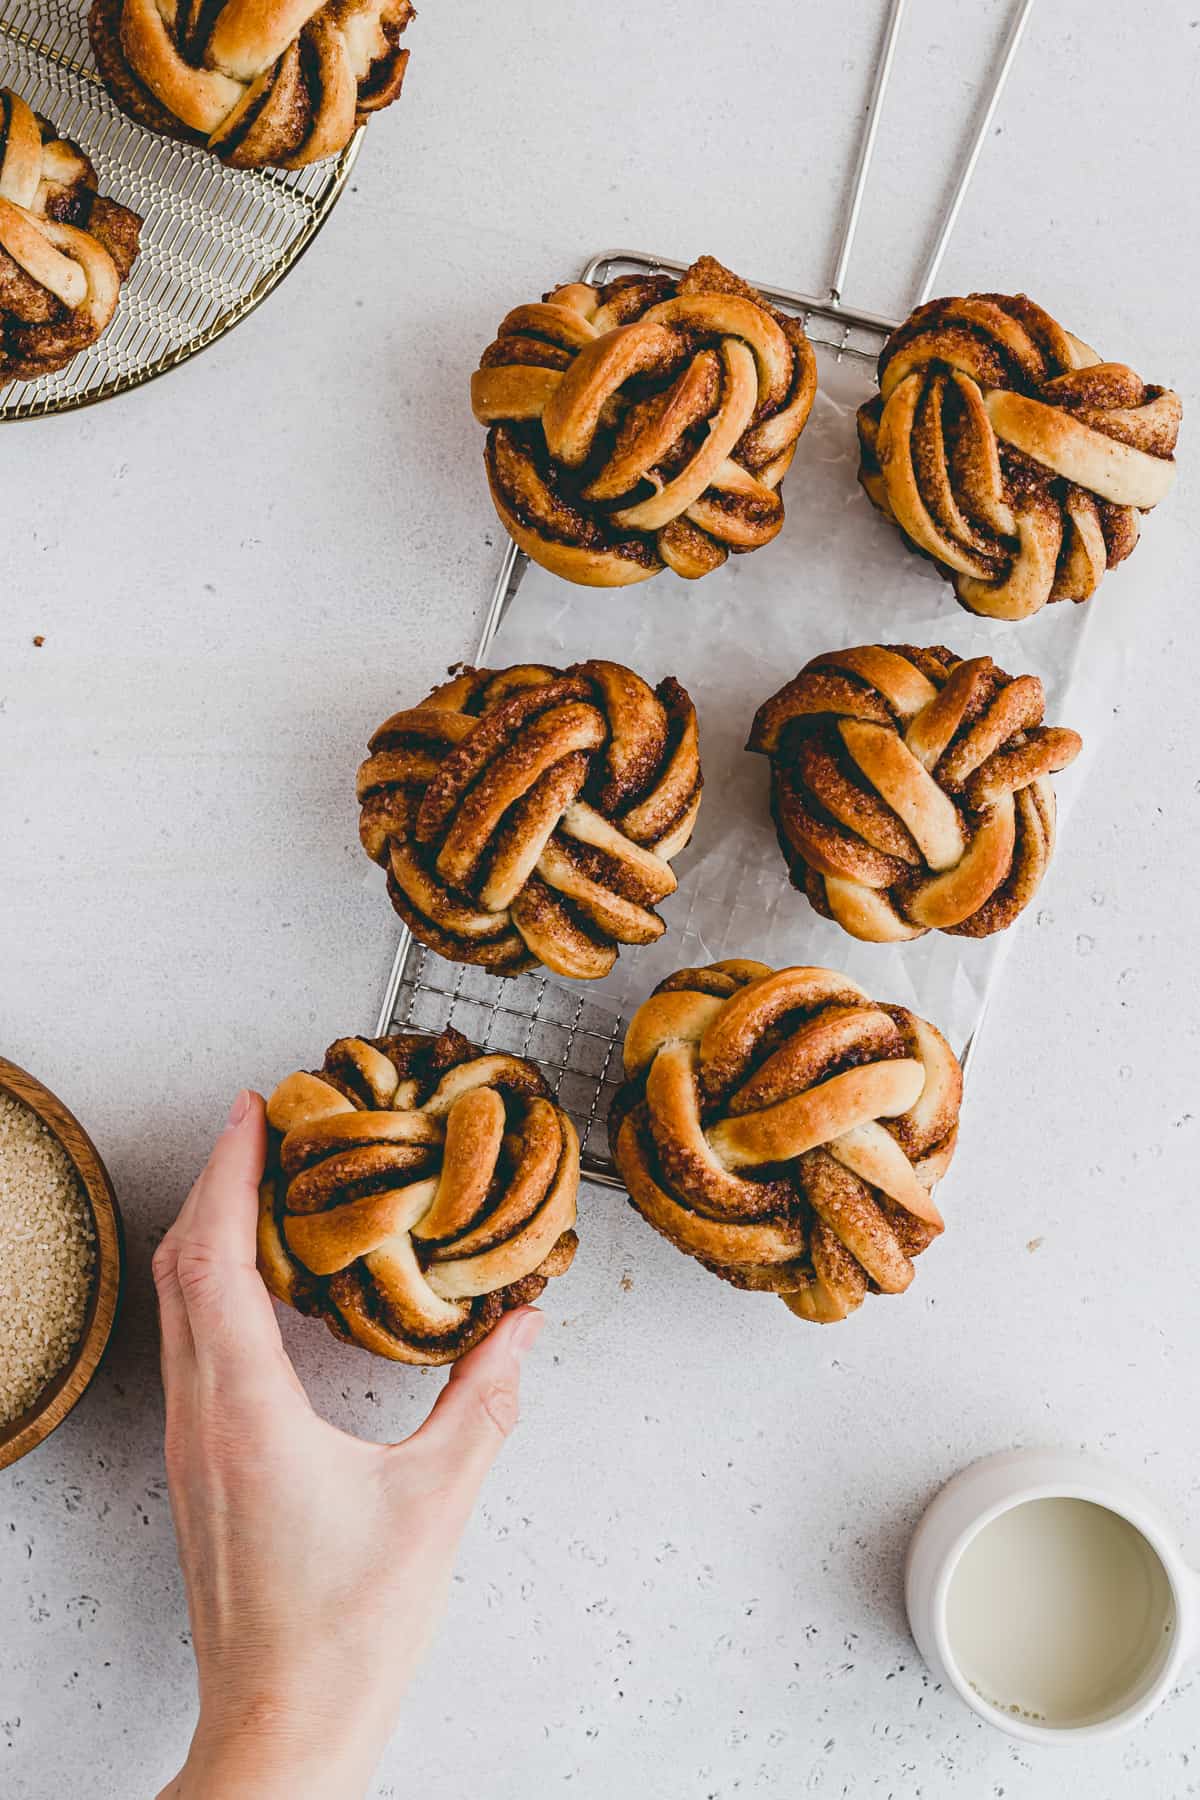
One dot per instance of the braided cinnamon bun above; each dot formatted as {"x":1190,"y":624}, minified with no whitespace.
{"x":64,"y":248}
{"x":262,"y":83}
{"x":1010,"y":454}
{"x":786,"y":1130}
{"x":529,"y":815}
{"x":643,"y":424}
{"x":911,"y":790}
{"x":416,"y":1190}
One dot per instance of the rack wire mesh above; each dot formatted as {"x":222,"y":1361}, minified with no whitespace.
{"x":216,"y":240}
{"x":574,"y":1037}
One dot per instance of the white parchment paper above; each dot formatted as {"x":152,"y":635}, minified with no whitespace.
{"x":838,"y":574}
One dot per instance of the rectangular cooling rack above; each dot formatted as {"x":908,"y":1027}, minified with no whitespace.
{"x":574,"y":1036}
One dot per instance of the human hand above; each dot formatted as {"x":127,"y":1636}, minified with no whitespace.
{"x":316,"y":1565}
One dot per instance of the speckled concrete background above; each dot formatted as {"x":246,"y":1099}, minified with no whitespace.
{"x":685,"y":1581}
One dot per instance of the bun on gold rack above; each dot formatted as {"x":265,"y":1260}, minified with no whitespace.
{"x":262,"y":83}
{"x":787,"y":1130}
{"x":64,"y":248}
{"x":911,"y":791}
{"x":529,"y":815}
{"x":1010,"y":454}
{"x":643,"y":425}
{"x":416,"y":1190}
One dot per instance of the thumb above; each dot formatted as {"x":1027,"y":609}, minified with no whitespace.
{"x":206,"y":1262}
{"x":479,"y":1405}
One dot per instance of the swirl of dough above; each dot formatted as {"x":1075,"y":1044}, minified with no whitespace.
{"x":262,"y":83}
{"x":64,"y":248}
{"x":1010,"y":454}
{"x":417,"y":1189}
{"x":911,"y":790}
{"x":786,"y":1130}
{"x":530,"y":815}
{"x":644,"y":424}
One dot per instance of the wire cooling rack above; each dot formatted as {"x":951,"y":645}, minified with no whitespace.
{"x":574,"y":1037}
{"x":215,"y":241}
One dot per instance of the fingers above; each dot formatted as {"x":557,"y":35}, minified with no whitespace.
{"x":212,"y":1302}
{"x":479,"y":1405}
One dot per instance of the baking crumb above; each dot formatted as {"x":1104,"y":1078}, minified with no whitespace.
{"x":38,"y":641}
{"x":1035,"y":1243}
{"x":627,"y":1283}
{"x":47,"y":1253}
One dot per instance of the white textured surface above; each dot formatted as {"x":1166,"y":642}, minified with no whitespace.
{"x":686,"y":1578}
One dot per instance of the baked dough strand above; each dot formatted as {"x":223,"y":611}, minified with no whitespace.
{"x":262,"y":83}
{"x":64,"y":248}
{"x":787,"y":1130}
{"x":643,"y":425}
{"x":1010,"y":454}
{"x":529,"y":815}
{"x":911,"y":790}
{"x":417,"y":1189}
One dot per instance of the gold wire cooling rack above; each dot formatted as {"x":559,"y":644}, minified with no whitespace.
{"x":216,"y":241}
{"x":575,"y":1037}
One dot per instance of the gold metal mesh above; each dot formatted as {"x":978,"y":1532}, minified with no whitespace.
{"x":215,"y":240}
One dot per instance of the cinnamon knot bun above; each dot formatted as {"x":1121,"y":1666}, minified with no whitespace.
{"x":1010,"y":454}
{"x":643,"y":424}
{"x":786,"y":1130}
{"x":263,"y":83}
{"x":911,"y":790}
{"x":416,"y":1190}
{"x":64,"y":249}
{"x":529,"y":815}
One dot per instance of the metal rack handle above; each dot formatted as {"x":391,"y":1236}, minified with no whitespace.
{"x":989,"y":101}
{"x":1012,"y":44}
{"x":866,"y":148}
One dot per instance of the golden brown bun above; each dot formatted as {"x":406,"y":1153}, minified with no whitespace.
{"x":911,"y":791}
{"x":530,"y":814}
{"x":1009,"y":454}
{"x":263,"y":83}
{"x":64,"y":250}
{"x":786,"y":1130}
{"x":416,"y":1190}
{"x":644,"y":424}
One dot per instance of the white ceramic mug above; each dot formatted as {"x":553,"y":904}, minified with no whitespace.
{"x":977,"y":1498}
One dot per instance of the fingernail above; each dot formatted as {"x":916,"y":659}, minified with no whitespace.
{"x":240,"y":1108}
{"x":527,"y":1331}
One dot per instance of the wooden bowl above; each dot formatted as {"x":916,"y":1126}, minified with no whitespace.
{"x":56,"y":1399}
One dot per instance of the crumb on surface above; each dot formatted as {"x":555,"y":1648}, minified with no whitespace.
{"x":47,"y":1255}
{"x":38,"y":641}
{"x":1035,"y":1243}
